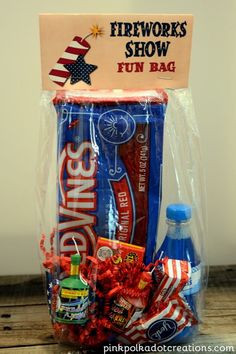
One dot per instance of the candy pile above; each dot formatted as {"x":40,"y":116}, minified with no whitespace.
{"x":117,"y":299}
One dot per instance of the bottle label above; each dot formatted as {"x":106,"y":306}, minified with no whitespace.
{"x":194,"y":284}
{"x":73,"y":294}
{"x":72,"y":305}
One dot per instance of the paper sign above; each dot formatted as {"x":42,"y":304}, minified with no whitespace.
{"x":115,"y":51}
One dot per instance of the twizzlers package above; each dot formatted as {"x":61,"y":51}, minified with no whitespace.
{"x":109,"y":167}
{"x":114,"y":99}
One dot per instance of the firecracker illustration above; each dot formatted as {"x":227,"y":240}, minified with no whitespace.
{"x":72,"y":62}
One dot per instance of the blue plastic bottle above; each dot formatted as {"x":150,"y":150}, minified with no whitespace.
{"x":178,"y":244}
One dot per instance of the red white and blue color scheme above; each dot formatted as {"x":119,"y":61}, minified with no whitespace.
{"x":109,"y":170}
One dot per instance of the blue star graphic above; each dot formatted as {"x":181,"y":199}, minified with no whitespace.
{"x":80,"y":71}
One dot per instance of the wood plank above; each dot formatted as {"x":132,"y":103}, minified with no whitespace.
{"x":25,"y":325}
{"x":30,"y":325}
{"x":202,"y":340}
{"x":39,"y":349}
{"x":22,"y":290}
{"x":216,"y":339}
{"x":222,"y":273}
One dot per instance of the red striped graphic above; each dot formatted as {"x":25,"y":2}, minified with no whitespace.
{"x":176,"y":274}
{"x":59,"y":74}
{"x":176,"y":310}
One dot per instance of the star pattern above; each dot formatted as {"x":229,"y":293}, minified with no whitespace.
{"x":49,"y":295}
{"x":80,"y":71}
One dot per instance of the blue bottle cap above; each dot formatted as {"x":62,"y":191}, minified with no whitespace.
{"x":179,"y":212}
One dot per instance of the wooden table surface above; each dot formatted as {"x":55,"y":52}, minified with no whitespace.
{"x":25,"y":326}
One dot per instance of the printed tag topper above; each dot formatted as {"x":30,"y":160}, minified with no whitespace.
{"x":144,"y":51}
{"x":72,"y":63}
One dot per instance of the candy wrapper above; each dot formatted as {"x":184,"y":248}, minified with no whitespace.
{"x":171,"y":275}
{"x":161,"y":325}
{"x":109,"y":168}
{"x":126,"y":252}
